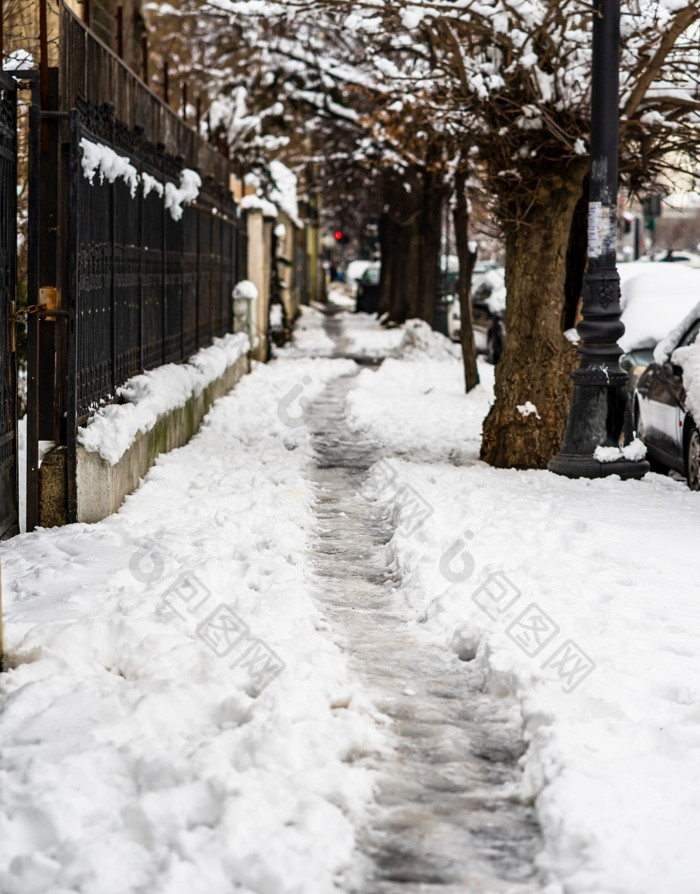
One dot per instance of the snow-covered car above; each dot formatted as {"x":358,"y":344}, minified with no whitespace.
{"x":667,"y":402}
{"x":354,"y":271}
{"x":655,"y":298}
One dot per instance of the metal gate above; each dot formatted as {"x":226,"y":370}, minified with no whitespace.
{"x":8,"y":279}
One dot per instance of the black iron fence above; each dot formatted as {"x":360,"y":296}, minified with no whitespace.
{"x":134,"y":245}
{"x":8,"y":254}
{"x":148,"y":284}
{"x":141,"y":276}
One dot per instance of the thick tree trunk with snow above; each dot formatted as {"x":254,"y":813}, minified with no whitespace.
{"x":537,"y":362}
{"x":467,"y":259}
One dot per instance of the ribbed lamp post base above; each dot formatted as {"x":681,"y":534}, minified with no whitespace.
{"x":596,"y":418}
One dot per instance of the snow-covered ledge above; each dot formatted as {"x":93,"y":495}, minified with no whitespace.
{"x":160,"y":410}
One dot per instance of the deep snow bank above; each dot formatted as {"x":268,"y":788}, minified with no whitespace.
{"x":578,"y":597}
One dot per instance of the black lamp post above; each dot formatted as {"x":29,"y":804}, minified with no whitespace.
{"x":597,"y":413}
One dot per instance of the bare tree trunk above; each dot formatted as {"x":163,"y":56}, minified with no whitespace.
{"x":537,"y":362}
{"x":467,"y":259}
{"x":410,"y":241}
{"x":430,"y":227}
{"x":400,"y":239}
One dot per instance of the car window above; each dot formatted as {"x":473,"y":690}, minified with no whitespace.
{"x":690,"y":336}
{"x":371,"y":276}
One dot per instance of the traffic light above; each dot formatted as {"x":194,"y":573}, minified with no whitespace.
{"x":338,"y":235}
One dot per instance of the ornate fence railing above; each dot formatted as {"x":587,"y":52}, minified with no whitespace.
{"x":140,"y":248}
{"x":8,"y":254}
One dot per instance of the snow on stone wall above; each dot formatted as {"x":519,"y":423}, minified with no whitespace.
{"x":113,"y":428}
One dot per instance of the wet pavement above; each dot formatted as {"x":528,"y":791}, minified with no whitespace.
{"x":448,"y":815}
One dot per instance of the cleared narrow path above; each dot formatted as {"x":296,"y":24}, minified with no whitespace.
{"x":447,"y":815}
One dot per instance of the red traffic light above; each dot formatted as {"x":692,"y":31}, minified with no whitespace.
{"x":338,"y":235}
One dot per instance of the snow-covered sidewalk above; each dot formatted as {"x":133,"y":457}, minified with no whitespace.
{"x":176,"y":716}
{"x":174,"y":719}
{"x":580,"y":598}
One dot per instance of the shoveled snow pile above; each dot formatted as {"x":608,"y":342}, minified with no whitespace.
{"x":420,"y":340}
{"x":420,"y":409}
{"x":593,"y":627}
{"x":111,"y":431}
{"x":173,"y":717}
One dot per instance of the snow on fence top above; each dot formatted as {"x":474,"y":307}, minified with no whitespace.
{"x":255,"y":203}
{"x":113,"y":428}
{"x":18,"y":60}
{"x":103,"y":160}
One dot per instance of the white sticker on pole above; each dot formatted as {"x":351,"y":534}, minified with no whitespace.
{"x":594,"y":240}
{"x":601,"y":229}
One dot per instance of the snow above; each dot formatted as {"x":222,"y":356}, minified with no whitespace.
{"x":136,"y":755}
{"x":655,"y":298}
{"x":255,"y":203}
{"x":527,"y":409}
{"x":150,"y":184}
{"x":176,"y":197}
{"x":441,"y":421}
{"x":137,"y":758}
{"x":608,"y":567}
{"x":355,"y":269}
{"x":366,"y":339}
{"x":419,"y":340}
{"x":18,"y":60}
{"x":284,"y":195}
{"x":634,"y":451}
{"x":246,"y":290}
{"x":103,"y":160}
{"x":662,"y":352}
{"x":114,"y":427}
{"x":309,"y":338}
{"x":688,"y":358}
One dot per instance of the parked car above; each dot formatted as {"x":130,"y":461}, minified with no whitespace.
{"x":661,"y":413}
{"x":655,"y":299}
{"x":354,"y":271}
{"x":488,"y":311}
{"x":368,"y":290}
